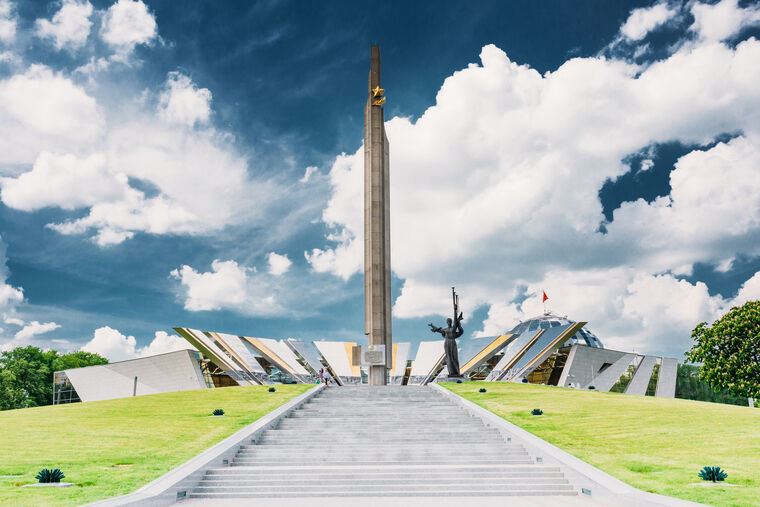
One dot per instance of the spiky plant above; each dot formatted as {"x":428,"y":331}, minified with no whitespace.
{"x":48,"y":475}
{"x":714,"y":474}
{"x":272,"y":389}
{"x":536,"y":411}
{"x":482,"y":390}
{"x":218,"y":411}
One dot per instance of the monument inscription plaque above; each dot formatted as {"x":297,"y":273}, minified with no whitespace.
{"x":373,"y":355}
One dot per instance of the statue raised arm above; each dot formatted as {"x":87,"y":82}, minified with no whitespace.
{"x":436,"y":329}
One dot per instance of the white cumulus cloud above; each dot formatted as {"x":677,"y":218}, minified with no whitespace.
{"x":111,"y":344}
{"x":7,"y":22}
{"x":278,"y":264}
{"x":643,"y":20}
{"x":162,"y":343}
{"x":749,"y":291}
{"x":223,"y":286}
{"x":184,"y":103}
{"x":69,"y":27}
{"x":41,"y":109}
{"x":58,"y":180}
{"x":723,"y":20}
{"x":115,"y":346}
{"x":201,"y":182}
{"x":249,"y":291}
{"x":229,"y":286}
{"x":497,"y":184}
{"x":35,"y":328}
{"x":126,"y":24}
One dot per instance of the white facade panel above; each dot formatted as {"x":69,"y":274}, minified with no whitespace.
{"x":584,"y":364}
{"x":287,"y":355}
{"x":336,"y":356}
{"x":402,"y":357}
{"x":666,"y":381}
{"x":640,"y":381}
{"x":609,"y":377}
{"x":175,"y":371}
{"x":307,"y":351}
{"x":245,"y":355}
{"x":429,"y":357}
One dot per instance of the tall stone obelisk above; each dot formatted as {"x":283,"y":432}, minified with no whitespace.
{"x":377,"y":231}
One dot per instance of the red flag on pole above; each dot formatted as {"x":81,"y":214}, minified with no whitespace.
{"x":545,"y":297}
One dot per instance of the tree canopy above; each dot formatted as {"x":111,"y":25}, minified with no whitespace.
{"x":729,"y":351}
{"x":26,"y":374}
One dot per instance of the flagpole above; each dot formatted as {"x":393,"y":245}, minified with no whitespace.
{"x":544,"y":297}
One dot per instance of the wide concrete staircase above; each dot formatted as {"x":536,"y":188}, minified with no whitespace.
{"x":379,"y":442}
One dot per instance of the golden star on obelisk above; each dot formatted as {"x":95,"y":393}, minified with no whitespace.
{"x":377,"y":91}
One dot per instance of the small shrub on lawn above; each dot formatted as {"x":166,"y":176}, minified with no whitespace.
{"x":536,"y":411}
{"x":459,"y":381}
{"x":272,"y":389}
{"x":591,"y":388}
{"x":714,"y":474}
{"x":482,"y":390}
{"x":218,"y":411}
{"x":48,"y":475}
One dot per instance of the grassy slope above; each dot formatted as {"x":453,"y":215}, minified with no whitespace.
{"x":113,"y":447}
{"x":655,"y":444}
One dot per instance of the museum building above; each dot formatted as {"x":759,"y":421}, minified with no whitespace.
{"x":547,"y":349}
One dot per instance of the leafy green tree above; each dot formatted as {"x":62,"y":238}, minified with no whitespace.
{"x":729,"y":351}
{"x":28,"y":371}
{"x":690,"y":387}
{"x":78,"y":359}
{"x":26,"y":374}
{"x":11,"y":395}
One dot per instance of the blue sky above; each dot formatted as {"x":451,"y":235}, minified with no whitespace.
{"x":155,"y":156}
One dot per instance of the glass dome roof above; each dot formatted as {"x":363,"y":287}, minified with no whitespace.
{"x":548,"y":320}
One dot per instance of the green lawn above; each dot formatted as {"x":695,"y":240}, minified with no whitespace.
{"x":654,"y":444}
{"x":109,"y":448}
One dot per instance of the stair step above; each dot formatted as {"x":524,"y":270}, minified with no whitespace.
{"x":388,"y":493}
{"x":368,"y":482}
{"x":296,"y":488}
{"x":381,"y":442}
{"x":363,"y":449}
{"x":523,"y":472}
{"x":251,"y":462}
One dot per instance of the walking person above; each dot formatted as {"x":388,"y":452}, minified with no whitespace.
{"x":324,"y":377}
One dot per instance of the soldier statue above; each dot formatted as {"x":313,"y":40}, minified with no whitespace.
{"x":450,"y":333}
